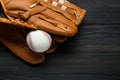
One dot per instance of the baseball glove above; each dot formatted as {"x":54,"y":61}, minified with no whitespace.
{"x":59,"y":18}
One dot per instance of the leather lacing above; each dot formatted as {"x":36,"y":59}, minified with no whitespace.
{"x":66,"y":11}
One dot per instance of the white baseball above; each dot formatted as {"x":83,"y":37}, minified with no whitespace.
{"x":39,"y":41}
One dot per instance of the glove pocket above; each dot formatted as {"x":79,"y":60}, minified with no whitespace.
{"x":13,"y":38}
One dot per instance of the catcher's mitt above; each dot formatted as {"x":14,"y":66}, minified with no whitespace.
{"x":59,"y":18}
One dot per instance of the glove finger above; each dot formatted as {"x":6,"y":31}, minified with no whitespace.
{"x":51,"y":26}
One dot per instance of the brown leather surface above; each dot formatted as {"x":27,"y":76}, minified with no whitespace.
{"x":45,"y":16}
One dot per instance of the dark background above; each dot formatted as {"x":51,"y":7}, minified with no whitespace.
{"x":93,"y":54}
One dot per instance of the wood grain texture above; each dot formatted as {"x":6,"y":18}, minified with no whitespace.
{"x":93,"y":54}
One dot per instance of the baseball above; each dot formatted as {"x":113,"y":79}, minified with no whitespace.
{"x":39,"y":41}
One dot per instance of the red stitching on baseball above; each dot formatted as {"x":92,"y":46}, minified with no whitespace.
{"x":49,"y":39}
{"x":31,"y":44}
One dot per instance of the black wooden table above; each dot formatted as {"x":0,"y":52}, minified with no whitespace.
{"x":93,"y":54}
